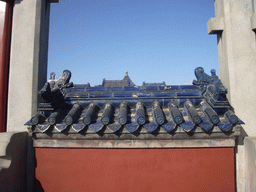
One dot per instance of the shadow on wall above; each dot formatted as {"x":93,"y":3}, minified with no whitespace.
{"x":14,"y":176}
{"x":38,"y":187}
{"x":17,"y":1}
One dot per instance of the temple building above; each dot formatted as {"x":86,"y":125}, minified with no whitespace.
{"x":118,"y":83}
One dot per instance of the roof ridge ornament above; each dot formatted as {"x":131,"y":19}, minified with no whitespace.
{"x":211,"y":86}
{"x":52,"y":91}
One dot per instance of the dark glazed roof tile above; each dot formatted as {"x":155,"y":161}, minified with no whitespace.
{"x":188,"y":94}
{"x":119,"y":106}
{"x":163,"y":94}
{"x":100,"y":95}
{"x":188,"y":87}
{"x":96,"y":89}
{"x":150,"y":124}
{"x":131,"y":88}
{"x":123,"y":95}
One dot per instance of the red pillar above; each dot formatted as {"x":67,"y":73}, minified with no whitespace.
{"x":6,"y":9}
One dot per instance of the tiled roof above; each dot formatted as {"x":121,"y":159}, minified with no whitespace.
{"x":153,"y":84}
{"x":126,"y":109}
{"x":127,"y":82}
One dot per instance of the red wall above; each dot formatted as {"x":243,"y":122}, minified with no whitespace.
{"x":188,"y":170}
{"x":5,"y":40}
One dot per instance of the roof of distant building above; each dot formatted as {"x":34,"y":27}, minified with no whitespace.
{"x":119,"y":83}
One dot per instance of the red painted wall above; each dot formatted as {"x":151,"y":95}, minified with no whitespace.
{"x":5,"y":40}
{"x":188,"y":170}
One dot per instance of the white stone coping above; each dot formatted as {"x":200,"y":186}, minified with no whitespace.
{"x":161,"y":140}
{"x":215,"y":25}
{"x":194,"y":143}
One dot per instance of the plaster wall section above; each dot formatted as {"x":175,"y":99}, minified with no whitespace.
{"x":28,"y":62}
{"x":237,"y":57}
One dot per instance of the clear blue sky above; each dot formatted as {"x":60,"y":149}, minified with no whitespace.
{"x":154,"y":40}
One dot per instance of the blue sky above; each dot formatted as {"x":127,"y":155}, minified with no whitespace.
{"x":154,"y":40}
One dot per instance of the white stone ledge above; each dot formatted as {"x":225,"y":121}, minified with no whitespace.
{"x":193,"y":143}
{"x":215,"y":25}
